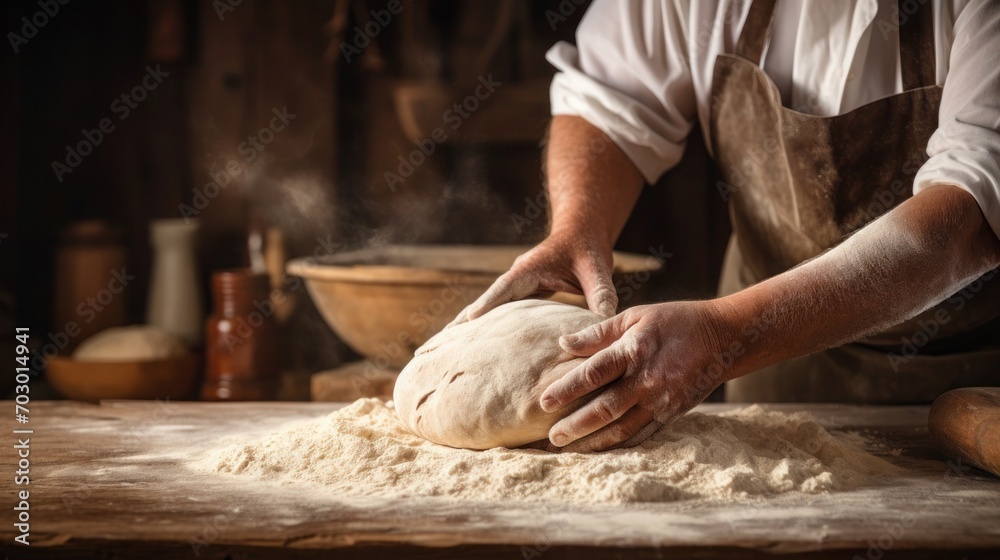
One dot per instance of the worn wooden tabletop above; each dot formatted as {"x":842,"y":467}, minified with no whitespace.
{"x":110,"y":481}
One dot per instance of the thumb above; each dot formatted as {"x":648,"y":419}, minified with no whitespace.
{"x":598,"y":288}
{"x":594,"y":338}
{"x":508,"y":287}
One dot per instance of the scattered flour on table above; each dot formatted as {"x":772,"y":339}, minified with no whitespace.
{"x":363,"y":450}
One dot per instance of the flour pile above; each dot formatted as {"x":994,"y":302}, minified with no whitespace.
{"x":363,"y":449}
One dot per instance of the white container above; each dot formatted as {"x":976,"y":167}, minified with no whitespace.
{"x":174,"y":294}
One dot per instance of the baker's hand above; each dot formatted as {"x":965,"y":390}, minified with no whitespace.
{"x":565,"y":263}
{"x":650,"y":364}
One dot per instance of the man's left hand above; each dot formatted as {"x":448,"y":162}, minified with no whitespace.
{"x":646,"y":366}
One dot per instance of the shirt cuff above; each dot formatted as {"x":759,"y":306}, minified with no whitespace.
{"x":633,"y":127}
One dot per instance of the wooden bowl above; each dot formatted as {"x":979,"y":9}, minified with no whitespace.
{"x":173,"y":378}
{"x":387,"y":301}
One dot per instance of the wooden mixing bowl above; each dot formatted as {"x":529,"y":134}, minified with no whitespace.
{"x":173,"y":378}
{"x":387,"y":301}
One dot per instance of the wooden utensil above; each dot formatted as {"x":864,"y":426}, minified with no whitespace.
{"x":87,"y":293}
{"x":167,"y":378}
{"x":965,"y":424}
{"x":352,"y":381}
{"x":386,"y":301}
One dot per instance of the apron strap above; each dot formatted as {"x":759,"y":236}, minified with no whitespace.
{"x":916,"y":40}
{"x":916,"y":45}
{"x":756,"y":30}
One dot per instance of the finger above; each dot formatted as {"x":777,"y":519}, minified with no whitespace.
{"x":595,"y":372}
{"x":462,"y":317}
{"x":541,"y":445}
{"x":508,"y":287}
{"x":604,"y":409}
{"x":634,"y":427}
{"x":641,"y":435}
{"x":594,"y":338}
{"x":595,"y":279}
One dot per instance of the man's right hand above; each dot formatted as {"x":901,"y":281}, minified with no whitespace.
{"x":577,"y":264}
{"x":592,"y":187}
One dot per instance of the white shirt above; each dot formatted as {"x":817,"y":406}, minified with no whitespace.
{"x":642,"y":71}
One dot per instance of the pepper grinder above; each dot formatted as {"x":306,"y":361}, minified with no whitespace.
{"x":174,"y":296}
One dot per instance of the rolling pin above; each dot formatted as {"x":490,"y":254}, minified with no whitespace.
{"x":965,"y":424}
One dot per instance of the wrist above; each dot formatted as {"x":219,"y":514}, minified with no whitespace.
{"x":591,"y":228}
{"x":580,"y":236}
{"x":743,"y":329}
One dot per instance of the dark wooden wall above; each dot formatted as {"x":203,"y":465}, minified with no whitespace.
{"x":323,"y":177}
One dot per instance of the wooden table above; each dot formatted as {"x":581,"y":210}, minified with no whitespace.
{"x":109,"y":482}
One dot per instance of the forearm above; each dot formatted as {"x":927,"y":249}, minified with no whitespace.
{"x":591,"y":182}
{"x":903,"y":263}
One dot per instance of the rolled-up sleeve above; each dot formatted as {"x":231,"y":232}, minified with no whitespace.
{"x":629,"y":77}
{"x":965,"y":149}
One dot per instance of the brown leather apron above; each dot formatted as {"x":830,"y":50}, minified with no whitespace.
{"x":798,"y":184}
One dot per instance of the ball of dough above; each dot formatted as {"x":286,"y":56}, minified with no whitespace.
{"x":476,"y":385}
{"x":129,"y":344}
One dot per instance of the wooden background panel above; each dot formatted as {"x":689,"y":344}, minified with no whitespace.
{"x":323,"y":182}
